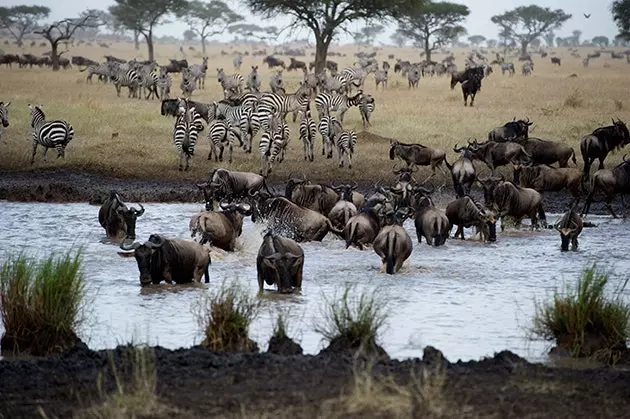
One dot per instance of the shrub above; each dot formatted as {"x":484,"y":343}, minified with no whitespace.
{"x":225,"y":316}
{"x":41,"y":303}
{"x":584,"y":321}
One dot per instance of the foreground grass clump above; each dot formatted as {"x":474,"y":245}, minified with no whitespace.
{"x":41,"y":303}
{"x":584,"y":320}
{"x":280,"y":342}
{"x":225,"y":316}
{"x":353,"y":321}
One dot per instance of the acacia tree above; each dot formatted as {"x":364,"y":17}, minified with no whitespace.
{"x":251,"y":31}
{"x":398,"y":39}
{"x":64,"y":30}
{"x":526,"y":23}
{"x":209,"y":19}
{"x":142,"y":16}
{"x":601,"y":41}
{"x":577,"y":34}
{"x":549,"y":37}
{"x":433,"y":25}
{"x":325,"y":18}
{"x":20,"y":20}
{"x":621,"y":16}
{"x":367,"y":34}
{"x":492,"y":43}
{"x":475,"y":40}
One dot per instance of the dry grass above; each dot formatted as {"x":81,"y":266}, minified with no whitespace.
{"x":433,"y":114}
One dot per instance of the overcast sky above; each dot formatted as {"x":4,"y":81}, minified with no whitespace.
{"x":478,"y":22}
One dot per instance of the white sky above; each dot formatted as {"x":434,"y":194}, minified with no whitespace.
{"x":478,"y":22}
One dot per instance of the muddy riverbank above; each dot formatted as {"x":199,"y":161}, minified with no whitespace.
{"x":53,"y":185}
{"x":199,"y":383}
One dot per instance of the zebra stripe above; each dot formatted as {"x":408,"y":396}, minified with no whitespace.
{"x":128,"y":78}
{"x":366,"y":107}
{"x":233,"y":81}
{"x":281,"y":105}
{"x":185,"y":135}
{"x":273,"y":144}
{"x":307,"y":134}
{"x":164,"y":83}
{"x":221,"y":132}
{"x":253,"y":80}
{"x":328,"y":128}
{"x":198,"y":72}
{"x":188,"y":83}
{"x":4,"y":116}
{"x":326,"y":102}
{"x":346,"y":142}
{"x":49,"y":134}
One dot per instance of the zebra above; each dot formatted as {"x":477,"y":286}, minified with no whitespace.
{"x":148,"y":80}
{"x":234,"y":81}
{"x":198,"y":71}
{"x":103,"y":70}
{"x":366,"y":107}
{"x":253,"y":80}
{"x":237,"y":62}
{"x":128,"y":78}
{"x":346,"y":141}
{"x":310,"y":79}
{"x":526,"y":69}
{"x":185,"y":134}
{"x":326,"y":102}
{"x":273,"y":143}
{"x":276,"y":83}
{"x":509,"y":67}
{"x":164,"y":82}
{"x":221,"y":132}
{"x":49,"y":134}
{"x":328,"y":128}
{"x":413,"y":76}
{"x":4,"y":116}
{"x":307,"y":133}
{"x":356,"y":75}
{"x":282,"y":105}
{"x":335,"y":83}
{"x":188,"y":83}
{"x":380,"y":76}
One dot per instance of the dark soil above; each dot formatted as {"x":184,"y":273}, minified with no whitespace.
{"x":70,"y":186}
{"x":197,"y":383}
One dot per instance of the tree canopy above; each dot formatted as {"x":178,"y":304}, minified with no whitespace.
{"x":398,"y":39}
{"x":250,"y":31}
{"x":476,"y":39}
{"x":20,"y":20}
{"x":143,"y":16}
{"x":601,"y":41}
{"x":433,"y":25}
{"x":209,"y":19}
{"x":621,"y":16}
{"x":367,"y":34}
{"x":526,"y":23}
{"x":325,"y":18}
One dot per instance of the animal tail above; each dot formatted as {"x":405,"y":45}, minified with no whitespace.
{"x":351,"y":234}
{"x":239,"y":137}
{"x":83,"y":69}
{"x":573,"y":157}
{"x":437,"y":237}
{"x":334,"y":229}
{"x":448,"y":165}
{"x":391,"y":245}
{"x":541,"y":216}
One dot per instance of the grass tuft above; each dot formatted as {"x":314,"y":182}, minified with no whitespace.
{"x":618,"y":105}
{"x":225,"y":316}
{"x":574,"y":100}
{"x":42,"y":303}
{"x":583,"y":320}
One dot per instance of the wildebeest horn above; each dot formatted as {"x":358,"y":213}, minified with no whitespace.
{"x":153,"y":245}
{"x":133,"y":246}
{"x":138,"y":213}
{"x":224,"y":205}
{"x":613,"y":120}
{"x":354,"y":185}
{"x":254,"y":193}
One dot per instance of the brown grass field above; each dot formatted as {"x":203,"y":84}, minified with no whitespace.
{"x":562,"y":108}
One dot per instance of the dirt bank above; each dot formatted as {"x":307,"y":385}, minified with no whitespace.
{"x":199,"y":383}
{"x":70,"y":186}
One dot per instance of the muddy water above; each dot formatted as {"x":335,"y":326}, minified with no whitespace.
{"x":466,"y":298}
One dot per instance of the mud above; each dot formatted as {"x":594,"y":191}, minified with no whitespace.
{"x":199,"y":383}
{"x":71,"y":186}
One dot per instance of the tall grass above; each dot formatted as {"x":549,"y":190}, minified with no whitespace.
{"x":584,"y":320}
{"x":41,"y":302}
{"x":224,"y":316}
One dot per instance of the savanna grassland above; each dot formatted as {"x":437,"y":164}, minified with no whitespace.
{"x":563,"y":109}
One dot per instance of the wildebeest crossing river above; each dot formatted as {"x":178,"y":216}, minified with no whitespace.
{"x":466,"y":298}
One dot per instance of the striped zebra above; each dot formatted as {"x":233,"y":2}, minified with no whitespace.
{"x":4,"y":116}
{"x":509,"y":67}
{"x":276,"y":83}
{"x":380,"y":76}
{"x":164,"y":83}
{"x":335,"y":83}
{"x":103,"y":70}
{"x":273,"y":143}
{"x":366,"y":107}
{"x":233,"y":81}
{"x":253,"y":80}
{"x":527,"y":68}
{"x":221,"y":132}
{"x":326,"y":103}
{"x":148,"y":80}
{"x":237,"y":62}
{"x":346,"y":141}
{"x":307,"y":133}
{"x":356,"y":75}
{"x":188,"y":83}
{"x":128,"y":78}
{"x":185,"y":134}
{"x":328,"y":128}
{"x":49,"y":134}
{"x":198,"y":71}
{"x":413,"y":76}
{"x":310,"y":79}
{"x":282,"y":105}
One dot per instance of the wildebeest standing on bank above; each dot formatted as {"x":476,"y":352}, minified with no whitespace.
{"x":570,"y":226}
{"x":511,"y":131}
{"x":545,"y":178}
{"x":465,"y":213}
{"x":170,"y":260}
{"x":417,"y":154}
{"x":280,"y":262}
{"x":495,"y":154}
{"x":393,"y":243}
{"x":601,"y":142}
{"x":117,"y":219}
{"x":610,"y":182}
{"x":431,"y":223}
{"x":463,"y":172}
{"x":548,"y":152}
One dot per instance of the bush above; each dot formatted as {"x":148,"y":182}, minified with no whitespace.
{"x":225,"y":316}
{"x":41,"y":303}
{"x":353,"y":323}
{"x":584,"y":321}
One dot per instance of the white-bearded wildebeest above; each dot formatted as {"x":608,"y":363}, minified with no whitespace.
{"x":280,"y":262}
{"x":402,"y":191}
{"x":465,"y":213}
{"x":418,"y":155}
{"x":171,"y":260}
{"x":170,"y":107}
{"x":393,"y":243}
{"x":495,"y":154}
{"x":300,"y":224}
{"x":601,"y":142}
{"x":514,"y":201}
{"x":221,"y":229}
{"x":610,"y":182}
{"x":228,"y":185}
{"x":570,"y":226}
{"x":548,"y":152}
{"x":471,"y":83}
{"x":510,"y":131}
{"x":556,"y":60}
{"x":363,"y":228}
{"x":463,"y":171}
{"x":117,"y":219}
{"x":344,"y":209}
{"x":544,"y":178}
{"x":302,"y":192}
{"x":431,"y":223}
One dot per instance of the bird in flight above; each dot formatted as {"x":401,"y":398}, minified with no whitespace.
{"x":587,"y":15}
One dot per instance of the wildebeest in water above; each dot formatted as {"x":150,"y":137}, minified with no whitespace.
{"x":570,"y":226}
{"x":280,"y":262}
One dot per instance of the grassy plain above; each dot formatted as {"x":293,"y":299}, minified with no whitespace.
{"x":563,"y":109}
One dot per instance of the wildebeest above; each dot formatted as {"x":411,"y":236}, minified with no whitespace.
{"x":344,"y":209}
{"x":556,"y":60}
{"x":470,"y":80}
{"x":548,"y":152}
{"x":417,"y":154}
{"x":296,"y":64}
{"x":280,"y":262}
{"x":320,"y":198}
{"x":601,"y":142}
{"x":118,"y":220}
{"x":170,"y":107}
{"x":464,"y":212}
{"x":300,"y":224}
{"x":510,"y":131}
{"x":273,"y":62}
{"x":544,"y":178}
{"x":175,"y":66}
{"x":363,"y":228}
{"x":221,"y":229}
{"x":569,"y":226}
{"x":171,"y":260}
{"x":610,"y":182}
{"x":393,"y":244}
{"x":495,"y":154}
{"x":514,"y":201}
{"x":463,"y":172}
{"x":431,"y":223}
{"x":402,"y":191}
{"x":227,"y":185}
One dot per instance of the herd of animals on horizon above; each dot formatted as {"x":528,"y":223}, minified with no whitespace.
{"x":308,"y":211}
